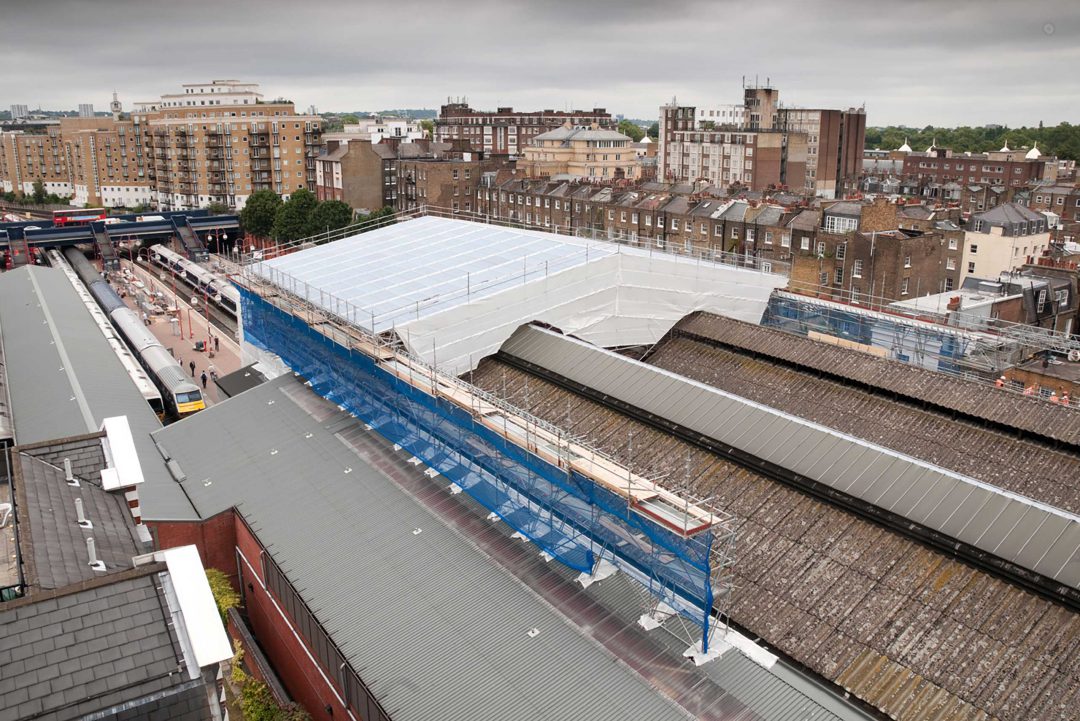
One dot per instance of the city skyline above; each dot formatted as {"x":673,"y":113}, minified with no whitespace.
{"x":928,"y":67}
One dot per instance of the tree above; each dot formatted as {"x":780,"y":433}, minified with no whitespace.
{"x":633,"y":130}
{"x":382,"y":217}
{"x":259,"y":213}
{"x":291,"y":221}
{"x":329,"y":215}
{"x":39,"y":192}
{"x":349,"y":119}
{"x":217,"y":208}
{"x":654,"y":131}
{"x":429,"y":127}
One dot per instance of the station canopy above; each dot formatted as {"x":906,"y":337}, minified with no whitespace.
{"x":454,"y":290}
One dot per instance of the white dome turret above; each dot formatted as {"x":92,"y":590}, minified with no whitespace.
{"x":1034,"y":153}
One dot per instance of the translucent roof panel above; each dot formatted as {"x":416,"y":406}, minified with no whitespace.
{"x":411,"y":270}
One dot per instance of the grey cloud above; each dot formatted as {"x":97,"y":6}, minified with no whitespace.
{"x":919,"y":62}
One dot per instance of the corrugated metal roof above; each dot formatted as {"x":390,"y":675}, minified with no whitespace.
{"x":909,"y":381}
{"x":65,"y":379}
{"x":1015,"y":528}
{"x":434,"y":626}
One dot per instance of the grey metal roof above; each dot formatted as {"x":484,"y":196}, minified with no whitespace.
{"x":431,"y":622}
{"x":67,"y":656}
{"x":240,"y":380}
{"x":50,"y":539}
{"x":567,"y":134}
{"x":65,"y":379}
{"x":1017,"y":529}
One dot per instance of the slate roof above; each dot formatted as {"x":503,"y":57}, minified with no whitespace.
{"x":432,"y":605}
{"x":568,"y":134}
{"x":68,"y":655}
{"x":1007,"y":214}
{"x":51,"y":543}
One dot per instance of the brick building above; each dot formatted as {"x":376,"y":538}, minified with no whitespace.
{"x":214,"y":142}
{"x":506,"y":132}
{"x":818,"y":151}
{"x":357,"y":171}
{"x":581,"y":152}
{"x":1005,"y":167}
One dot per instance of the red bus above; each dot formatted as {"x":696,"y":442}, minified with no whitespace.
{"x":78,"y":216}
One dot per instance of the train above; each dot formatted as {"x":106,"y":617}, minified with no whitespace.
{"x":219,"y":291}
{"x":180,"y":396}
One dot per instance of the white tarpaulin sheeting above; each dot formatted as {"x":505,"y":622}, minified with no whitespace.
{"x":455,"y":290}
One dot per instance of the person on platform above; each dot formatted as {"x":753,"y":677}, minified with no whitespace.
{"x":203,"y":378}
{"x":191,"y":365}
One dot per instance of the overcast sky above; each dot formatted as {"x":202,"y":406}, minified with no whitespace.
{"x":917,"y":62}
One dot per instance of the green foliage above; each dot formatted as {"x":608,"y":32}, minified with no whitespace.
{"x":256,"y":701}
{"x":329,"y":215}
{"x":1061,"y":140}
{"x":259,"y":213}
{"x":429,"y":127}
{"x":654,"y":131}
{"x":39,"y":195}
{"x":291,"y":222}
{"x":633,"y":130}
{"x":217,"y":208}
{"x":225,"y":596}
{"x":382,"y":217}
{"x":349,"y":119}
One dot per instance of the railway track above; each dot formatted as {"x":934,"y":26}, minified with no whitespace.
{"x":219,"y":318}
{"x":907,"y":629}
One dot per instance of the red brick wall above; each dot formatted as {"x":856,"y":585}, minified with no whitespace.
{"x":215,"y":538}
{"x":297,"y":671}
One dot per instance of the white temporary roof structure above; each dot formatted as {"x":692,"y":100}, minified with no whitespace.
{"x":454,"y":290}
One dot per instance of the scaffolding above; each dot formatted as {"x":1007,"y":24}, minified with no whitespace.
{"x":573,"y":502}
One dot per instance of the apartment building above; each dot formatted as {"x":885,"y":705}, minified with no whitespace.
{"x":29,"y":157}
{"x":377,"y":128}
{"x":357,"y":171}
{"x":833,"y":140}
{"x":443,"y":177}
{"x":729,"y":156}
{"x":506,"y":132}
{"x":581,"y":152}
{"x":1005,"y":167}
{"x":1003,"y":239}
{"x":212,"y":142}
{"x":220,"y":142}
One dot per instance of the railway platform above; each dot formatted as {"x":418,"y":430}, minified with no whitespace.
{"x":190,"y":321}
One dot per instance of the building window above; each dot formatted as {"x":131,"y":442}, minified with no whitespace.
{"x":907,"y":261}
{"x":1061,"y":297}
{"x":948,"y":284}
{"x":823,"y":280}
{"x":734,"y":233}
{"x":768,"y":237}
{"x":674,"y":223}
{"x":766,"y":267}
{"x":820,"y":248}
{"x":648,"y":220}
{"x":971,"y":267}
{"x":974,"y":249}
{"x":841,"y":251}
{"x":1042,"y":301}
{"x":856,"y":269}
{"x":950,"y":264}
{"x":804,"y":243}
{"x":838,"y":275}
{"x":785,"y":240}
{"x":904,"y":286}
{"x":952,"y":243}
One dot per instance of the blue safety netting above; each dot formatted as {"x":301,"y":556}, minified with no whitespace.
{"x":565,"y":514}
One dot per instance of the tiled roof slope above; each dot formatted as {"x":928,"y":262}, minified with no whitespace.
{"x":71,"y":655}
